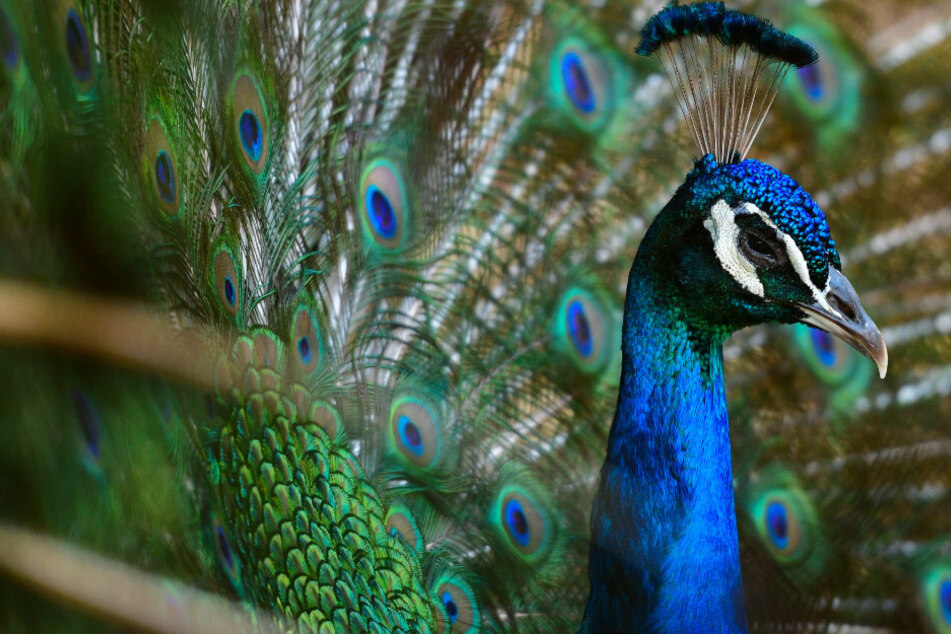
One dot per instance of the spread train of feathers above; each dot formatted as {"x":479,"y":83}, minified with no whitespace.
{"x":316,"y":306}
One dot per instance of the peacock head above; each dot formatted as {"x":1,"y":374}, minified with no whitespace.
{"x":751,"y":245}
{"x":754,"y":247}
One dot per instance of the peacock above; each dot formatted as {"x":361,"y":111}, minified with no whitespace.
{"x":315,"y":316}
{"x":739,"y":244}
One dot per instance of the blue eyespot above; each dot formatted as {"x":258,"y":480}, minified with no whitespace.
{"x":89,"y":424}
{"x":307,"y":335}
{"x":811,"y":79}
{"x":586,"y":82}
{"x":785,"y":519}
{"x":842,"y":369}
{"x":828,"y":94}
{"x":579,"y":329}
{"x":380,"y":213}
{"x":824,"y":345}
{"x":516,"y":522}
{"x":451,"y":608}
{"x":224,"y":548}
{"x":8,"y":42}
{"x":777,"y":525}
{"x":229,"y":291}
{"x":229,"y":563}
{"x":250,"y":121}
{"x":411,"y":436}
{"x":786,"y":523}
{"x":582,"y":331}
{"x":415,"y":435}
{"x":165,"y":177}
{"x":935,"y":590}
{"x":522,"y":517}
{"x":303,"y":349}
{"x":158,"y":159}
{"x":459,"y":601}
{"x":944,"y":593}
{"x":386,"y":214}
{"x":226,"y":281}
{"x":77,"y":47}
{"x":251,"y":136}
{"x":576,"y":83}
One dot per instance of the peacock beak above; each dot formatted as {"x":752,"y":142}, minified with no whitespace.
{"x":842,"y":315}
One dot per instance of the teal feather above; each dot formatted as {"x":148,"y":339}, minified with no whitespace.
{"x":392,"y":240}
{"x":827,"y":94}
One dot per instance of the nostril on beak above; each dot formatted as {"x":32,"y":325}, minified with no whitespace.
{"x":844,"y":307}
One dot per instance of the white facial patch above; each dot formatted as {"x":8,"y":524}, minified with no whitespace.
{"x":725,"y":233}
{"x":722,"y":227}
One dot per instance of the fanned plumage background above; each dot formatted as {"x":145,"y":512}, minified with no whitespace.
{"x":444,"y":200}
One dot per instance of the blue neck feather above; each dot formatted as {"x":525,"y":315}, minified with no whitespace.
{"x":664,"y":552}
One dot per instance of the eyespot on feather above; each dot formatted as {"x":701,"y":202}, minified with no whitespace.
{"x":782,"y":527}
{"x":828,"y":94}
{"x":582,"y":331}
{"x":786,"y":522}
{"x":77,"y":47}
{"x":833,"y":361}
{"x":523,"y":523}
{"x":9,"y":43}
{"x":459,"y":602}
{"x":414,"y":432}
{"x":228,"y":282}
{"x":227,"y":558}
{"x":384,"y":204}
{"x":582,"y":84}
{"x":935,"y":595}
{"x":161,"y":168}
{"x":819,"y":89}
{"x":306,"y":340}
{"x":251,"y":123}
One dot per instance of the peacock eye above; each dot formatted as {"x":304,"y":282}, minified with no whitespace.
{"x":250,"y":132}
{"x":577,"y":84}
{"x":165,"y":177}
{"x":226,"y":555}
{"x":759,"y":249}
{"x":459,"y":601}
{"x":8,"y":43}
{"x":415,"y":432}
{"x":77,"y":46}
{"x":306,"y":334}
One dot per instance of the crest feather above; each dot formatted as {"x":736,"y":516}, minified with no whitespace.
{"x":714,"y":58}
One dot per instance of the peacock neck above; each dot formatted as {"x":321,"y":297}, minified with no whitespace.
{"x":664,"y":552}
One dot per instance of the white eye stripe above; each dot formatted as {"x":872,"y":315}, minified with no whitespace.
{"x":724,"y":231}
{"x":722,"y":227}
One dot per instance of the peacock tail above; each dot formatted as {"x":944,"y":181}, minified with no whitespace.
{"x":310,"y":314}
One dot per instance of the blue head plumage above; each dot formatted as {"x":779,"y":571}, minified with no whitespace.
{"x":784,"y":201}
